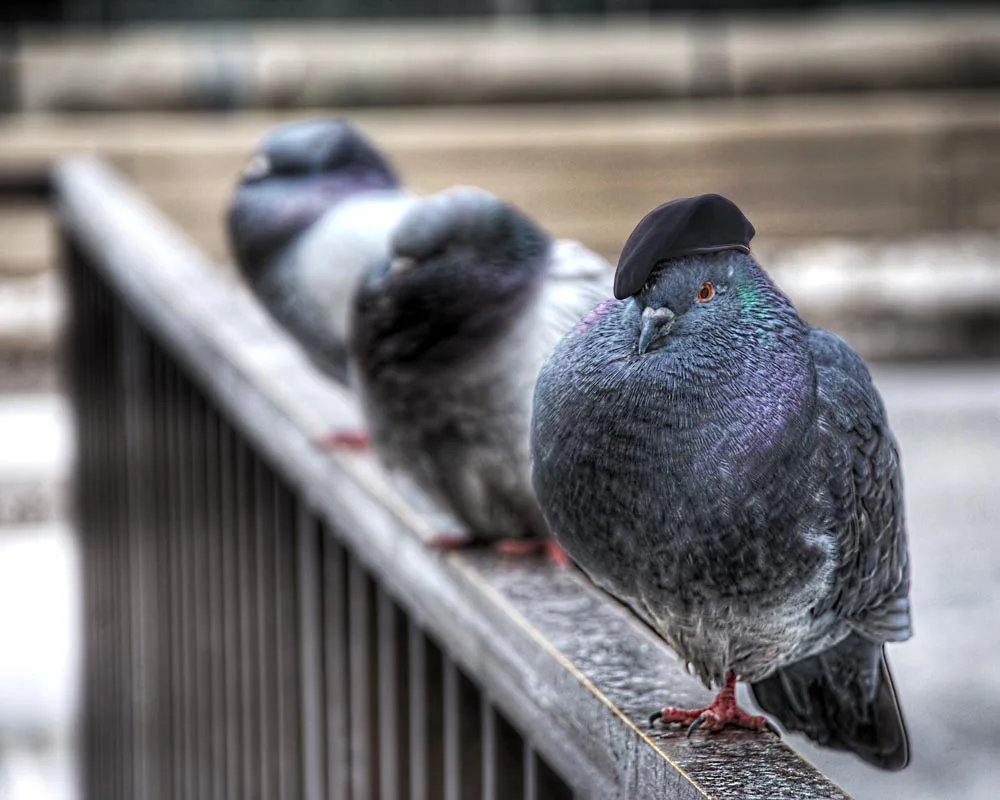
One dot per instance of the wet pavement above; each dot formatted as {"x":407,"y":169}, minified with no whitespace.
{"x":947,"y":421}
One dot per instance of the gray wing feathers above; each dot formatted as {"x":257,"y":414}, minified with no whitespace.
{"x":871,"y":583}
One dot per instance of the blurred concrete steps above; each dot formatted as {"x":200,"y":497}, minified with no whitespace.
{"x":30,"y":315}
{"x":508,"y":59}
{"x":856,"y":166}
{"x":30,"y":298}
{"x":35,"y":458}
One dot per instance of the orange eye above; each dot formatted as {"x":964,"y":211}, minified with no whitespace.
{"x":705,"y":293}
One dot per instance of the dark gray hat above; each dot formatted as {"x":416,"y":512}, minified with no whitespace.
{"x":703,"y":224}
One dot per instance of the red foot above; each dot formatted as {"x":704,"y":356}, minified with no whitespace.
{"x":722,"y":712}
{"x":527,"y":547}
{"x":339,"y":441}
{"x":556,"y":554}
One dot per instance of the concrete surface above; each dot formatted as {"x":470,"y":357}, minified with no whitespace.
{"x":39,"y":658}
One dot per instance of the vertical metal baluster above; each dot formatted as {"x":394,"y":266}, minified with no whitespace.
{"x":426,"y":716}
{"x":74,"y":353}
{"x":288,"y":650}
{"x":96,"y":702}
{"x":364,"y":697}
{"x":214,"y":556}
{"x":250,"y":721}
{"x":125,"y":538}
{"x":108,"y":498}
{"x":312,"y":698}
{"x":336,"y":666}
{"x":193,"y":514}
{"x":229,"y":539}
{"x":201,"y":644}
{"x":86,"y":336}
{"x":99,"y":537}
{"x":115,"y":545}
{"x":540,"y":780}
{"x":285,"y":688}
{"x":99,"y":541}
{"x":207,"y":584}
{"x":171,"y":760}
{"x":503,"y":757}
{"x":393,"y":702}
{"x":159,"y":787}
{"x":186,"y":587}
{"x":173,"y":523}
{"x":175,"y":761}
{"x":134,"y":384}
{"x":463,"y":742}
{"x":266,"y":686}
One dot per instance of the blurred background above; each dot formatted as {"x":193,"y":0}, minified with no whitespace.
{"x":862,"y":138}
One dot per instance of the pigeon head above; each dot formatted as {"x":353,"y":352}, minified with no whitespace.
{"x":715,"y":300}
{"x":697,"y":288}
{"x":315,"y":148}
{"x":299,"y":172}
{"x":463,"y":265}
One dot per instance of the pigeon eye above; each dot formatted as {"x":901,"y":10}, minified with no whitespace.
{"x":705,"y":293}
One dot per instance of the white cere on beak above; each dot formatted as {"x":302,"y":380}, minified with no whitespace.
{"x":257,"y":167}
{"x":401,"y":264}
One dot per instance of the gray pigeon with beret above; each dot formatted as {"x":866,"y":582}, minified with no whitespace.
{"x":729,"y":472}
{"x":447,"y":340}
{"x":313,"y":211}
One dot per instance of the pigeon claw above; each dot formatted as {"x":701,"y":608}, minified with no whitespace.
{"x":696,"y":724}
{"x":529,"y":547}
{"x":722,"y":713}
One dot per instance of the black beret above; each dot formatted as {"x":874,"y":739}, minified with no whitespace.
{"x":703,"y":224}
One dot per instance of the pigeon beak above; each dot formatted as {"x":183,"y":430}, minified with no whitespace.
{"x":656,"y":324}
{"x":258,"y":167}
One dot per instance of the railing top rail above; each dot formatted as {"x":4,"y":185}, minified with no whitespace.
{"x":574,"y":670}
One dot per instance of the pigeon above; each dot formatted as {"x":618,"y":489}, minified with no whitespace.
{"x":313,"y":211}
{"x":728,"y":471}
{"x":447,"y":338}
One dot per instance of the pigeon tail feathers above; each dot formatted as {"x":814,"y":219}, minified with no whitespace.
{"x":842,"y":698}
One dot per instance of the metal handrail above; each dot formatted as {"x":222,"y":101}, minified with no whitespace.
{"x":266,"y":620}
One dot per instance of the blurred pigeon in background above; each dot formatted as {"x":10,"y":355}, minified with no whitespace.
{"x":314,"y":209}
{"x":728,"y":471}
{"x":448,"y":337}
